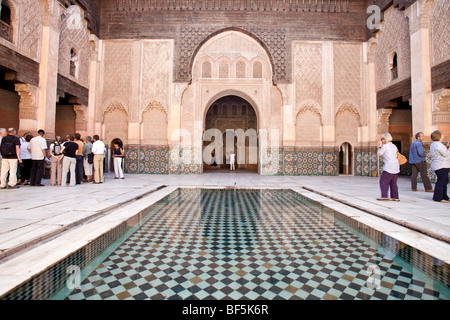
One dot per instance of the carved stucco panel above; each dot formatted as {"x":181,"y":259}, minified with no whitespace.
{"x":393,"y":37}
{"x":117,"y":68}
{"x":440,"y":31}
{"x":307,"y":72}
{"x":30,"y":20}
{"x":347,"y":74}
{"x":156,"y":73}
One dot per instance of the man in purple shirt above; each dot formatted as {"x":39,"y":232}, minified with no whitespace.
{"x":418,"y":163}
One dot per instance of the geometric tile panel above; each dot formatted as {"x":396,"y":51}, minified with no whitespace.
{"x":146,"y":159}
{"x":303,"y":162}
{"x":365,"y":161}
{"x":253,"y":244}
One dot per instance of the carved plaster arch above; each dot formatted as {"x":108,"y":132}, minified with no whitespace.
{"x":308,"y":105}
{"x":153,"y":105}
{"x":231,"y":92}
{"x":114,"y":106}
{"x":225,"y":30}
{"x":112,"y":103}
{"x":344,"y":132}
{"x":350,"y":107}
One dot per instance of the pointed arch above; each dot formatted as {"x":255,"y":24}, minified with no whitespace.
{"x":308,"y":125}
{"x":115,"y":122}
{"x":218,"y":32}
{"x":154,"y":124}
{"x":347,"y":124}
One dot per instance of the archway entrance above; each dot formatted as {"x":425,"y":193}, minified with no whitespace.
{"x":236,"y":120}
{"x":345,"y":158}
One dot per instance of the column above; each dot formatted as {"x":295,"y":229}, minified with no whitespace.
{"x":418,"y":15}
{"x":383,"y":120}
{"x":28,"y":108}
{"x":371,"y":94}
{"x":94,"y":69}
{"x":48,"y":70}
{"x":81,"y":119}
{"x":328,"y":125}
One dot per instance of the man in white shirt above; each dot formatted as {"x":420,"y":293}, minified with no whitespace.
{"x":37,"y":147}
{"x":98,"y":149}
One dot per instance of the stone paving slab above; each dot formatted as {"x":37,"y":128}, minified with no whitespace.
{"x":32,"y":214}
{"x":51,"y":209}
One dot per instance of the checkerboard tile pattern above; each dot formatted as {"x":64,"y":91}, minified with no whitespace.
{"x":248,"y":245}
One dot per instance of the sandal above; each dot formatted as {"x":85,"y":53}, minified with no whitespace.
{"x":382,"y":198}
{"x":392,"y":199}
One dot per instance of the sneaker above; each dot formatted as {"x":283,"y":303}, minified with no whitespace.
{"x":413,"y":189}
{"x":2,"y":187}
{"x":116,"y":177}
{"x":13,"y":187}
{"x":122,"y":178}
{"x":431,"y":190}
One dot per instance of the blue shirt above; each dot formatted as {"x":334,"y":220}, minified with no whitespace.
{"x":416,"y":152}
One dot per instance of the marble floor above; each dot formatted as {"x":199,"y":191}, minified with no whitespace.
{"x":41,"y":225}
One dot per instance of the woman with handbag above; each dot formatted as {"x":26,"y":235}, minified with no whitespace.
{"x":391,"y":168}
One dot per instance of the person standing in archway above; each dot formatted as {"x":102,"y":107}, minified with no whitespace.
{"x":118,"y":157}
{"x":213,"y":159}
{"x":232,"y":156}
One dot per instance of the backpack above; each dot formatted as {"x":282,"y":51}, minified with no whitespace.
{"x":7,"y":149}
{"x":57,"y":149}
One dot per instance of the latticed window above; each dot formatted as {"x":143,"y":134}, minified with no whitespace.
{"x":223,"y":70}
{"x":206,"y":69}
{"x":240,"y":70}
{"x":6,"y":30}
{"x":257,"y":70}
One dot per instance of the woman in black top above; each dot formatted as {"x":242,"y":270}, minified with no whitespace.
{"x":118,"y":156}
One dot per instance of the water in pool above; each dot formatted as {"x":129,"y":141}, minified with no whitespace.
{"x":250,"y":244}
